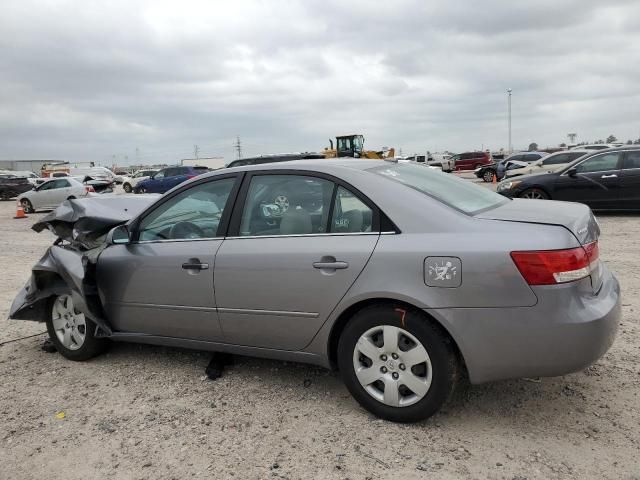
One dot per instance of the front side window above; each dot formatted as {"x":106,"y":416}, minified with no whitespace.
{"x":600,"y":163}
{"x":286,"y":205}
{"x":192,"y":214}
{"x":47,"y":185}
{"x":455,"y":192}
{"x":350,"y":214}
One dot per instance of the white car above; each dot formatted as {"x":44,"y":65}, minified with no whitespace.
{"x":549,"y":164}
{"x":129,"y":182}
{"x":52,"y":193}
{"x":96,"y":173}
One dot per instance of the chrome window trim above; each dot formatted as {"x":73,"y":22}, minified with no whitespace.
{"x":282,"y":313}
{"x":311,"y":235}
{"x":171,"y":240}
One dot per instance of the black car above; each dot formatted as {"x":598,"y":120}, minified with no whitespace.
{"x":604,"y":180}
{"x":282,"y":157}
{"x":11,"y":186}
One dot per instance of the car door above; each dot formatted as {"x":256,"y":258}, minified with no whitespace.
{"x":46,"y":195}
{"x":630,"y":181}
{"x":296,"y":244}
{"x":596,"y":181}
{"x":161,"y":283}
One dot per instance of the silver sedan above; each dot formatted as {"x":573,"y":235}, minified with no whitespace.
{"x":400,"y":276}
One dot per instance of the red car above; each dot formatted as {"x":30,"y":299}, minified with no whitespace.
{"x":471,"y":160}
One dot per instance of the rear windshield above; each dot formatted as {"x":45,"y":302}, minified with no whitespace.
{"x":460,"y":194}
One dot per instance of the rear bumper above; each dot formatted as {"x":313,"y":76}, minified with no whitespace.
{"x":567,"y":330}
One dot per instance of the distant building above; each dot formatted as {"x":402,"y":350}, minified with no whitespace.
{"x":28,"y":165}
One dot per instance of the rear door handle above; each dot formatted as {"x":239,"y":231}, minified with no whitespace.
{"x":613,"y":175}
{"x":331,"y":265}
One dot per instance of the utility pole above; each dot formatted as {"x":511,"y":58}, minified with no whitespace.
{"x":572,"y":137}
{"x":196,"y":151}
{"x":137,"y":155}
{"x":238,"y":147}
{"x":509,"y":101}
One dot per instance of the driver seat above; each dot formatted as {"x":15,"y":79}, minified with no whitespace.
{"x":296,"y":221}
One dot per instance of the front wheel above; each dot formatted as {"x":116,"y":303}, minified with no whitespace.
{"x":71,"y":332}
{"x":126,"y":187}
{"x":534,"y":194}
{"x":396,"y":363}
{"x":27,"y":206}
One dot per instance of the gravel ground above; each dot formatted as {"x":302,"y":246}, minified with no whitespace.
{"x":142,"y":412}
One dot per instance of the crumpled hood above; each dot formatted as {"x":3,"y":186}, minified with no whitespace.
{"x":83,"y":222}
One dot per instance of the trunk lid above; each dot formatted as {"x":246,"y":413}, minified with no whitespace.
{"x":575,"y":217}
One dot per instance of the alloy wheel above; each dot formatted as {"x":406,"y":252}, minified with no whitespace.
{"x":69,"y":324}
{"x":392,"y":366}
{"x":533,"y":195}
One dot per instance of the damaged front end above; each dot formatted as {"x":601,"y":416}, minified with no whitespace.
{"x":69,"y":265}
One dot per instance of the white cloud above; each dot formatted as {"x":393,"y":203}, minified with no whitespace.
{"x":85,"y":79}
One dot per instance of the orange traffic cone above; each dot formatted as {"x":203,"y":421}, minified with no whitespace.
{"x":495,"y":178}
{"x":20,"y":212}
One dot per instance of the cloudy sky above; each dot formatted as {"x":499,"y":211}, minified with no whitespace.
{"x":85,"y":80}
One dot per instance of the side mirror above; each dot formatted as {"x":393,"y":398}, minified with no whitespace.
{"x":572,"y":172}
{"x":119,"y":235}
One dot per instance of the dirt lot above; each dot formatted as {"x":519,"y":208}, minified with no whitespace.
{"x":143,"y":412}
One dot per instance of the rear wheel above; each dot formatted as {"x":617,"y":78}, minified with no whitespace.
{"x":535,"y":194}
{"x":71,"y":332}
{"x":8,"y":194}
{"x":126,"y":187}
{"x":488,"y":176}
{"x":26,"y":206}
{"x":396,"y":363}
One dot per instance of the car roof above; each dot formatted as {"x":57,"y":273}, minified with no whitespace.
{"x":320,"y":165}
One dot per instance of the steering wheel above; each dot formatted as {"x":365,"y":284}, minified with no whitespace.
{"x":186,"y":230}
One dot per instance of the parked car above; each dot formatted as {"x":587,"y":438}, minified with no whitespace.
{"x":604,"y":180}
{"x":167,"y":178}
{"x":486,"y":172}
{"x":595,"y":146}
{"x":282,"y":157}
{"x":471,"y":160}
{"x":341,"y":275}
{"x":120,"y":176}
{"x":443,"y":161}
{"x":52,"y":193}
{"x":95,"y":173}
{"x":11,"y":186}
{"x":517,"y":161}
{"x":129,"y":182}
{"x":551,"y":163}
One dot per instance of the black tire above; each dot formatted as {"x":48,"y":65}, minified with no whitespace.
{"x":534,"y":194}
{"x":8,"y":194}
{"x":442,"y":356}
{"x":126,"y":187}
{"x":91,"y":346}
{"x":27,"y":206}
{"x":488,"y":175}
{"x":71,"y":198}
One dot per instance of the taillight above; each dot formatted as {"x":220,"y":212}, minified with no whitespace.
{"x":549,"y":267}
{"x":89,"y":189}
{"x":191,"y":176}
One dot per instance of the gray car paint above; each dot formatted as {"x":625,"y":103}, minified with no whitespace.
{"x":503,"y":327}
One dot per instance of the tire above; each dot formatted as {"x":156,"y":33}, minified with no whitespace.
{"x":71,"y":198}
{"x":534,"y":194}
{"x":126,"y":187}
{"x":433,"y":379}
{"x":487,"y":176}
{"x":142,"y":190}
{"x":27,"y":206}
{"x":8,"y":195}
{"x":72,"y":333}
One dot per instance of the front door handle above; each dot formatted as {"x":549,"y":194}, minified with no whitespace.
{"x":195,"y":264}
{"x":613,"y":175}
{"x":335,"y":265}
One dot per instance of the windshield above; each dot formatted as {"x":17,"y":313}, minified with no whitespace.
{"x":460,"y":194}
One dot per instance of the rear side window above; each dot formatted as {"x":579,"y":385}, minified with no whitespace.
{"x":455,"y":192}
{"x":532,"y":157}
{"x":557,"y":159}
{"x":350,"y":214}
{"x":632,"y":160}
